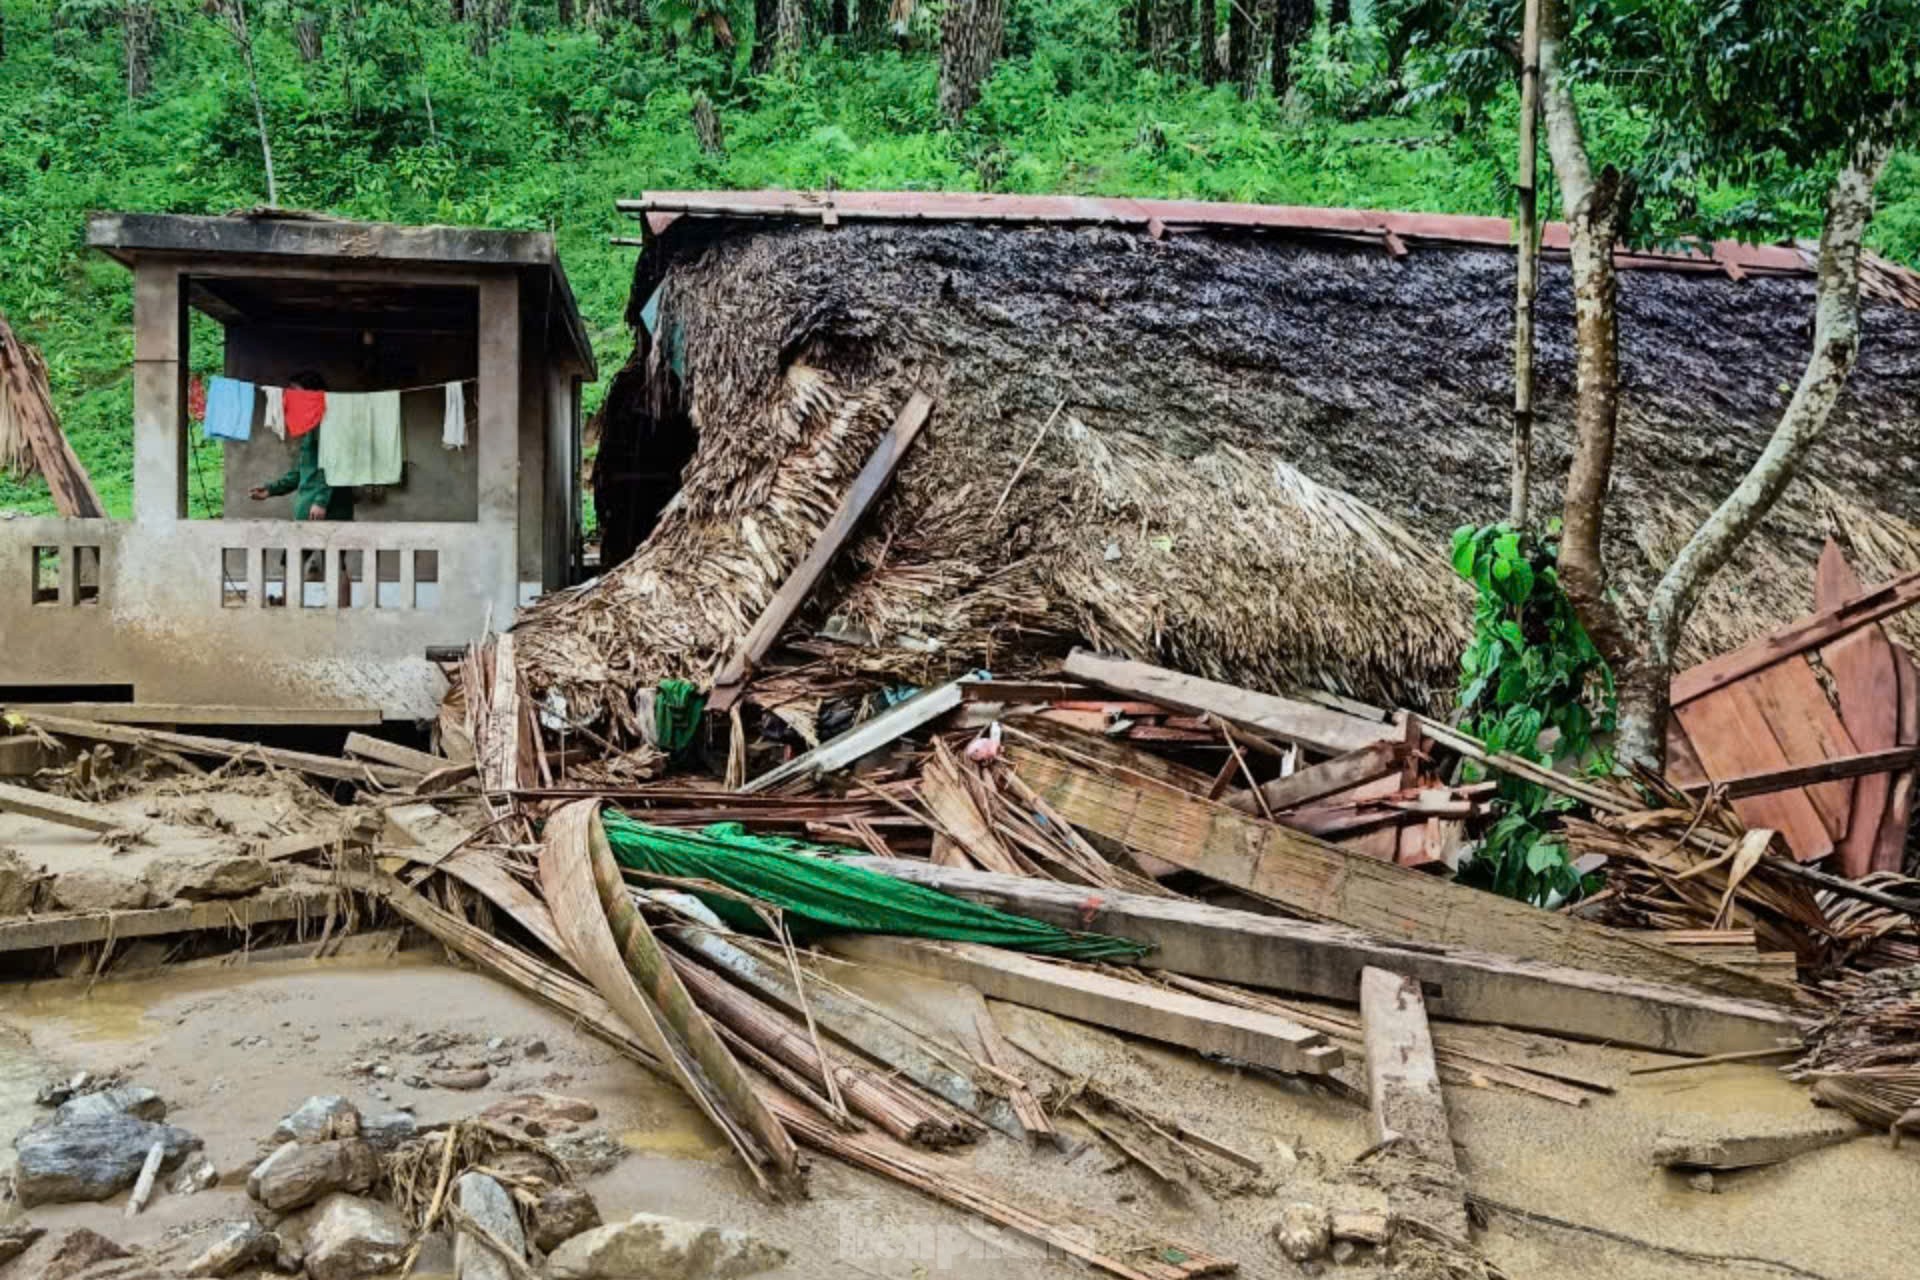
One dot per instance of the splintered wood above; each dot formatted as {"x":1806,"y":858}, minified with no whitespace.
{"x":1409,"y":1111}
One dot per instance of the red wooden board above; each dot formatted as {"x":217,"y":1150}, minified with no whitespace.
{"x":1867,"y":685}
{"x":1730,"y":734}
{"x":1808,"y":730}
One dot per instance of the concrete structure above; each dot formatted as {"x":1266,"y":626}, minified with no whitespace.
{"x":259,"y":611}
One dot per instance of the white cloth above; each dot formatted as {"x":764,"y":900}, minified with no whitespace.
{"x":274,"y":416}
{"x":453,"y":430}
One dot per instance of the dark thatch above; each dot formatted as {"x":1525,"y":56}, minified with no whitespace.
{"x":1261,"y":448}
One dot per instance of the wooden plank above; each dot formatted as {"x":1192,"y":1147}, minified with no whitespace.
{"x":24,"y":389}
{"x":1807,"y":728}
{"x":1866,"y":684}
{"x":267,"y":907}
{"x":1749,"y":1148}
{"x":1011,"y":692}
{"x":23,"y":755}
{"x":499,"y":739}
{"x":837,"y":753}
{"x":177,"y":713}
{"x":1729,"y":732}
{"x":1811,"y":632}
{"x":1409,"y":1110}
{"x":225,"y":749}
{"x":1863,"y":764}
{"x":996,"y":1054}
{"x":1171,"y":1017}
{"x":1463,"y":983}
{"x":1316,"y":782}
{"x":384,"y":752}
{"x":1102,"y":752}
{"x":1324,"y":882}
{"x":359,"y":826}
{"x":47,"y":807}
{"x":793,"y":593}
{"x":1305,"y":724}
{"x":1890,"y":849}
{"x":1683,"y":762}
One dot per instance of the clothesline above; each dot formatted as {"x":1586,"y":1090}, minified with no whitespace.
{"x":364,"y":440}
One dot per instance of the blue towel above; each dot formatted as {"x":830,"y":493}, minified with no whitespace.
{"x":229,"y":409}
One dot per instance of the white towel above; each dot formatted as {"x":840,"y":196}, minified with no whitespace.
{"x":360,"y":439}
{"x":274,"y":416}
{"x":453,"y":430}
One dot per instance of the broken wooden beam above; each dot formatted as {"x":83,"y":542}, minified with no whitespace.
{"x":1171,"y":1017}
{"x":1860,"y":764}
{"x":1409,"y":1110}
{"x":793,"y":593}
{"x":191,"y":744}
{"x":1322,"y":881}
{"x":172,"y":714}
{"x":47,"y":807}
{"x":1318,"y":781}
{"x":22,"y":755}
{"x":28,"y":400}
{"x":380,"y":751}
{"x":1729,"y":1149}
{"x":270,"y":906}
{"x":1325,"y":960}
{"x":358,"y":826}
{"x":837,"y":753}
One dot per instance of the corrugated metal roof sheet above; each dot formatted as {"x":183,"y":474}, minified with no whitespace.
{"x":1396,"y":233}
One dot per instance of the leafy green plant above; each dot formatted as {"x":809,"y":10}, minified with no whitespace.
{"x":1531,"y":683}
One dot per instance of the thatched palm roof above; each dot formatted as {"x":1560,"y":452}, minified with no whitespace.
{"x":1262,"y":444}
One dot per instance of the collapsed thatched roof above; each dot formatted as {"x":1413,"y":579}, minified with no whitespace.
{"x":1260,"y":448}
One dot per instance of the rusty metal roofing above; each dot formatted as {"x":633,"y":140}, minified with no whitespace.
{"x":1396,"y":233}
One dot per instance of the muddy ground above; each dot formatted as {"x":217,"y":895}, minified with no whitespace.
{"x":233,"y":1049}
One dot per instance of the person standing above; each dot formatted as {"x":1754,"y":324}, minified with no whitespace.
{"x":313,"y":497}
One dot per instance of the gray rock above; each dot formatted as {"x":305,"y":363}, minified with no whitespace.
{"x":589,"y":1153}
{"x":539,"y":1115}
{"x":386,"y":1131}
{"x":650,"y":1245}
{"x":236,"y":1245}
{"x":348,"y":1238}
{"x":200,"y":879}
{"x":321,"y":1118}
{"x":1362,"y":1226}
{"x":80,"y":1250}
{"x":487,"y":1203}
{"x":20,"y":883}
{"x":1304,"y":1232}
{"x":559,"y":1214}
{"x":16,"y":1238}
{"x":196,"y":1174}
{"x":300,"y":1172}
{"x":131,"y":1099}
{"x":96,"y":889}
{"x":1343,"y":1251}
{"x":91,"y":1159}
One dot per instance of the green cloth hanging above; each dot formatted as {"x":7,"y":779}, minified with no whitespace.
{"x":820,"y":895}
{"x":677,"y":705}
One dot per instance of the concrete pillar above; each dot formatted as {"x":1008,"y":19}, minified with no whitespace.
{"x":497,"y":431}
{"x":160,"y":362}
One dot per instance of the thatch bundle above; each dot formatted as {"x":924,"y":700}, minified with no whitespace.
{"x":1259,"y":450}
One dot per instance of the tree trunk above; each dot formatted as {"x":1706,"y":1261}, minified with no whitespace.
{"x":243,"y":36}
{"x":970,"y":35}
{"x":706,"y":125}
{"x":790,"y":31}
{"x":137,"y":33}
{"x":306,"y":37}
{"x":1239,"y":42}
{"x":1210,"y":41}
{"x":1339,"y":15}
{"x":563,"y":11}
{"x":1526,"y":265}
{"x":1595,"y":208}
{"x":766,"y":19}
{"x":1292,"y":23}
{"x":1836,"y":344}
{"x":839,"y":20}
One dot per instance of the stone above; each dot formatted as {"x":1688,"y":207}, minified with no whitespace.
{"x":55,"y":1092}
{"x":588,"y":1153}
{"x":1344,"y":1251}
{"x":648,"y":1244}
{"x":535,"y":1049}
{"x":20,"y":883}
{"x":489,"y":1205}
{"x":540,"y":1114}
{"x":234,"y":1246}
{"x":300,"y":1173}
{"x":321,"y":1118}
{"x":559,"y":1214}
{"x":78,"y":1251}
{"x":131,"y":1099}
{"x":386,"y":1131}
{"x":91,"y":1159}
{"x":16,"y":1238}
{"x":1702,"y":1181}
{"x":96,"y":889}
{"x":460,"y":1078}
{"x":201,"y":879}
{"x":196,"y":1174}
{"x":1362,"y":1226}
{"x":348,"y":1238}
{"x":1303,"y":1232}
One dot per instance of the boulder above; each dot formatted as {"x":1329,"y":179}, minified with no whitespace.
{"x":386,"y":1131}
{"x":348,"y":1238}
{"x":558,"y":1215}
{"x":196,"y":1174}
{"x":87,"y":889}
{"x":1362,"y":1226}
{"x":539,"y":1114}
{"x":233,"y":1247}
{"x":650,"y":1245}
{"x":321,"y":1118}
{"x":488,"y":1204}
{"x":1304,"y":1232}
{"x":20,"y":883}
{"x":81,"y":1249}
{"x":299,"y":1173}
{"x":16,"y":1238}
{"x":200,"y":879}
{"x":131,"y":1099}
{"x":91,"y":1159}
{"x":588,"y":1153}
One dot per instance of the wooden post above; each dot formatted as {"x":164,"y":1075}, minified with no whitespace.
{"x":1528,"y":264}
{"x":160,"y":359}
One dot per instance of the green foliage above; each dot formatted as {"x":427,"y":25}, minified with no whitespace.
{"x":1531,"y":683}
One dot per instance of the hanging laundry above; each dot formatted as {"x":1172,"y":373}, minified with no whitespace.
{"x":453,"y":429}
{"x":360,"y":439}
{"x":196,"y":398}
{"x":273,"y":411}
{"x":304,"y":410}
{"x":229,"y":409}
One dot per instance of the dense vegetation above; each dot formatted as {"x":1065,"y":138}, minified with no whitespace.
{"x":539,"y":113}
